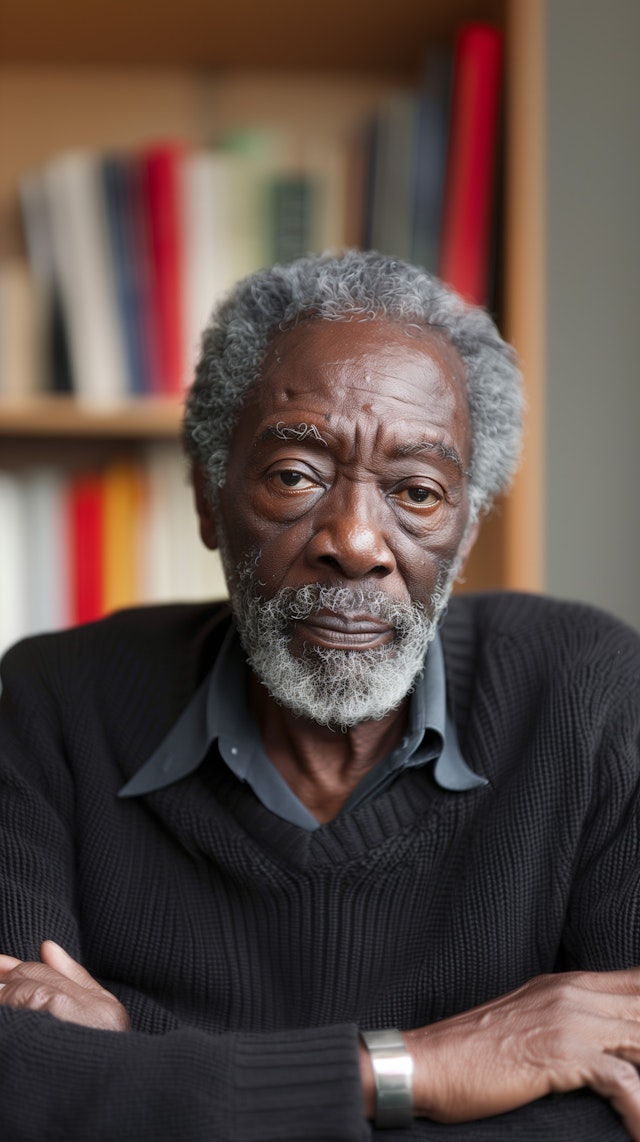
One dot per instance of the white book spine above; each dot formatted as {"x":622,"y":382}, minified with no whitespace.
{"x":78,"y":216}
{"x":209,"y":258}
{"x":47,"y":569}
{"x":177,"y":565}
{"x":13,"y":559}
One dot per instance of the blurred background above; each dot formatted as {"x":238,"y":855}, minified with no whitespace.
{"x":152,"y":154}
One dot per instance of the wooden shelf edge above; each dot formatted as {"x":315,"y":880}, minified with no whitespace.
{"x":524,"y":525}
{"x":372,"y":35}
{"x":56,"y":416}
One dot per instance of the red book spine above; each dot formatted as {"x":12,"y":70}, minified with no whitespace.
{"x":162,"y":183}
{"x":471,"y":166}
{"x":86,"y":542}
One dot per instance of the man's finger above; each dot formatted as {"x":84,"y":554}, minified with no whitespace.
{"x":617,"y":1080}
{"x":626,"y":981}
{"x":54,"y":956}
{"x":7,"y":964}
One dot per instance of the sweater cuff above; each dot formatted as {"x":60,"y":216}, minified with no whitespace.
{"x":298,"y":1085}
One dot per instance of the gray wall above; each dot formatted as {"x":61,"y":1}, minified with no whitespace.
{"x":593,"y":303}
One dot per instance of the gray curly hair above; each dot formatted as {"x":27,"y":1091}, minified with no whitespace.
{"x":354,"y":286}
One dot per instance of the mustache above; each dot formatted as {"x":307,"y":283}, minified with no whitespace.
{"x":316,"y":597}
{"x":332,"y":686}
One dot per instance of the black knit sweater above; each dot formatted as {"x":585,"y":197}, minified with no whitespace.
{"x":247,"y":950}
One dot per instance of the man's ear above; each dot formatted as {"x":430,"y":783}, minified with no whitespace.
{"x":206,"y":514}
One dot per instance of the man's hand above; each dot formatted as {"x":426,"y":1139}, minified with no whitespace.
{"x":556,"y":1033}
{"x":61,"y":987}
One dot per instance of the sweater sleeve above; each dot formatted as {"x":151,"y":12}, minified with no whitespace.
{"x":77,"y":1083}
{"x":164,"y":1081}
{"x":602,"y":930}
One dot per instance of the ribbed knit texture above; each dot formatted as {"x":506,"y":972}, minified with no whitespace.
{"x":247,"y":950}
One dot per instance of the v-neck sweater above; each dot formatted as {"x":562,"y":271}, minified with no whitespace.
{"x":249,"y":951}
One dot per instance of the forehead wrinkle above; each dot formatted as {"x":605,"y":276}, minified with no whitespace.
{"x":308,"y":432}
{"x":393,"y":367}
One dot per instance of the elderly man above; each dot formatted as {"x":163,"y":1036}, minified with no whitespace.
{"x":348,"y":856}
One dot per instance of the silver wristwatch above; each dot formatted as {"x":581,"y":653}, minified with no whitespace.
{"x":393,"y":1074}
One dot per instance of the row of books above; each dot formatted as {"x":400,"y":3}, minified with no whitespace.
{"x":431,"y":163}
{"x":79,"y":544}
{"x":129,"y":252}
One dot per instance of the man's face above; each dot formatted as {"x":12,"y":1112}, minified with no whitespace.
{"x":344,"y":509}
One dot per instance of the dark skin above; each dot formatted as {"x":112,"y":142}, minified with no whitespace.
{"x":372,"y":494}
{"x":320,"y":480}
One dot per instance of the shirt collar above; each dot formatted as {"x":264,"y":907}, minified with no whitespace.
{"x":219,"y":710}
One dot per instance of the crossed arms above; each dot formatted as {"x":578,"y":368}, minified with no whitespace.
{"x":555,"y":1034}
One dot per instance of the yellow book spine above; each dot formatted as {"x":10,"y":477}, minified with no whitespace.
{"x":123,"y":505}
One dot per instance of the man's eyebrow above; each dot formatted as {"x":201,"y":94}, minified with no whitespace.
{"x":444,"y":451}
{"x":299,"y":432}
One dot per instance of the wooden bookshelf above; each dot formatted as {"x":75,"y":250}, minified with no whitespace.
{"x":356,"y":35}
{"x":65,"y":417}
{"x":118,"y":75}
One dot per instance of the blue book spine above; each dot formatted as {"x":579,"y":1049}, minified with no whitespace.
{"x":117,"y":179}
{"x":431,"y":159}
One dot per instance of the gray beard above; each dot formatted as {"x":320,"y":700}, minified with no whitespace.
{"x":330,"y":686}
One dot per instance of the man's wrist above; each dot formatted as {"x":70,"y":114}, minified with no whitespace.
{"x":391,"y":1068}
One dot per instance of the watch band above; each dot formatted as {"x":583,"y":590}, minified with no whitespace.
{"x":393,"y":1074}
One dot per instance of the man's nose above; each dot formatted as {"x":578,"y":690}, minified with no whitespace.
{"x":349,"y":535}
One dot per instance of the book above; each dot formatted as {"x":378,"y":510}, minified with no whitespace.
{"x":430,"y":163}
{"x":390,"y":211}
{"x":465,"y":252}
{"x":307,"y":198}
{"x":21,"y":334}
{"x":209,"y":268}
{"x":162,"y":189}
{"x":122,"y":505}
{"x":77,"y":214}
{"x":327,"y":163}
{"x":176,"y":564}
{"x":120,"y":177}
{"x":47,"y":569}
{"x":356,"y":205}
{"x":292,"y":206}
{"x":13,"y":557}
{"x":85,"y":529}
{"x":52,"y":332}
{"x":256,"y":157}
{"x":132,"y":251}
{"x":80,"y":544}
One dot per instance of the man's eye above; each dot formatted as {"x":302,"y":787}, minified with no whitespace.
{"x":418,"y":494}
{"x":291,"y":478}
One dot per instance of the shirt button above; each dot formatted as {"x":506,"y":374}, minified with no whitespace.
{"x":234,"y":750}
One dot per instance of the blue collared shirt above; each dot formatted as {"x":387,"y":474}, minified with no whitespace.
{"x":219,"y":712}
